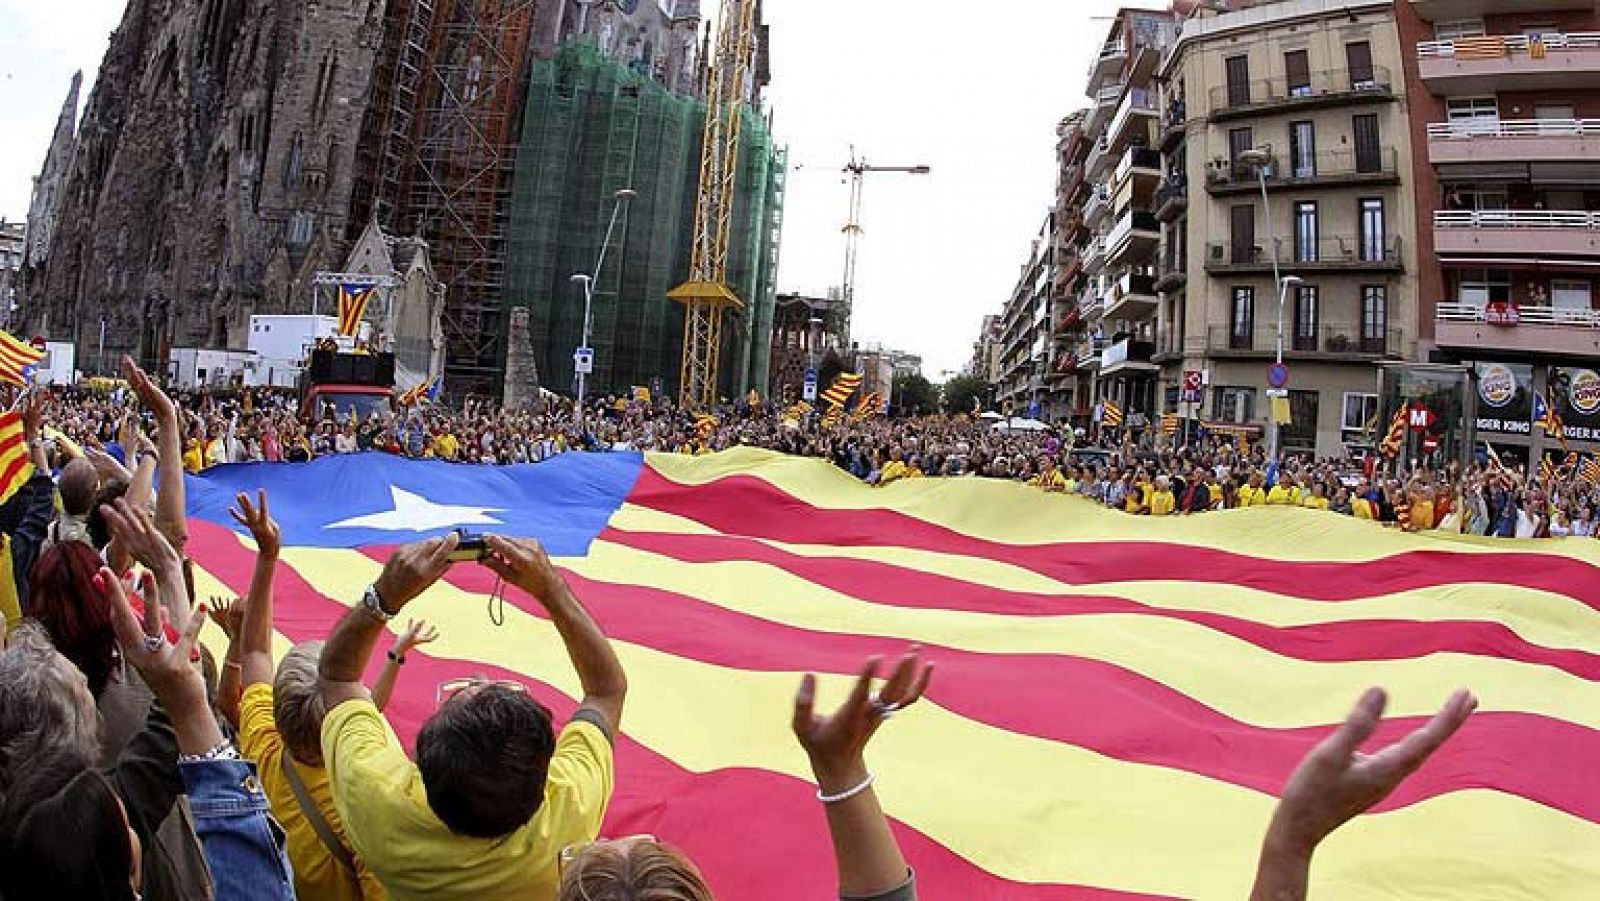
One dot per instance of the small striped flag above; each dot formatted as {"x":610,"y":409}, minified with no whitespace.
{"x":16,"y":464}
{"x":1591,"y":470}
{"x":428,"y":389}
{"x":353,"y":300}
{"x":1395,"y":440}
{"x":870,"y":406}
{"x":17,"y":360}
{"x":705,"y":424}
{"x":1112,"y":415}
{"x":1169,"y":424}
{"x":798,"y":411}
{"x":1549,"y":419}
{"x":641,"y":394}
{"x":1489,"y":47}
{"x":1494,"y":458}
{"x":1547,"y":469}
{"x":844,"y":387}
{"x":832,"y":417}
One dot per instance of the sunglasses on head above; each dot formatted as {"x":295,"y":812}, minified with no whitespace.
{"x":572,"y":852}
{"x":448,"y":690}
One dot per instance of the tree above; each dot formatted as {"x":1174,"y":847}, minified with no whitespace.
{"x":960,"y":392}
{"x":914,"y":396}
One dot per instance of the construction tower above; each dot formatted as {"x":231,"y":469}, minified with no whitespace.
{"x":706,"y":295}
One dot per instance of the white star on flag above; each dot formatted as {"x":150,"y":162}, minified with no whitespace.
{"x":415,"y":513}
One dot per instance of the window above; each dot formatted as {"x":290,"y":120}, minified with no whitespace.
{"x":1358,"y":56}
{"x":1374,"y":244}
{"x":1240,"y":140}
{"x":1360,"y":413}
{"x":1297,"y":70}
{"x":1306,"y":303}
{"x":1369,"y":144}
{"x":1374,"y":318}
{"x":1473,"y":115}
{"x":1235,"y":405}
{"x":1305,"y":231}
{"x":1242,"y":232}
{"x":1303,"y":149}
{"x":1238,"y":75}
{"x":1242,"y":318}
{"x":1480,"y":287}
{"x":1571,"y":296}
{"x":1456,"y":29}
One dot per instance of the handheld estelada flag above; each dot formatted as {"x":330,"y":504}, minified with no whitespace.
{"x":843,"y":388}
{"x":17,"y":360}
{"x":16,"y":464}
{"x":1395,"y":440}
{"x":353,"y":300}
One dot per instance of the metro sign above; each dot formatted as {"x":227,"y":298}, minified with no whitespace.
{"x":1420,"y":418}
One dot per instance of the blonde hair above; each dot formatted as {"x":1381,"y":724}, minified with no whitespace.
{"x":634,"y":871}
{"x":297,"y":708}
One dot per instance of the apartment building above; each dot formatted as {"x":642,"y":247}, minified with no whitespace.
{"x":1284,"y":139}
{"x":1505,"y":96}
{"x":1115,"y":284}
{"x":1025,"y":331}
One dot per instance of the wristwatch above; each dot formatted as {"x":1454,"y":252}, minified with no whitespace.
{"x":373,"y":603}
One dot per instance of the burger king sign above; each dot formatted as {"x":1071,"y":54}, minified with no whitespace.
{"x":1584,"y":392}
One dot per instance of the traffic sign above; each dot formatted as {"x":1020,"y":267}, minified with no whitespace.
{"x":810,"y":393}
{"x":1193,"y":386}
{"x":1278,"y":375}
{"x":583,"y":360}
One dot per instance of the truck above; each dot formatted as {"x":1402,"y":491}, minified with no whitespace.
{"x":282,"y":344}
{"x":192,"y":368}
{"x":340,"y":383}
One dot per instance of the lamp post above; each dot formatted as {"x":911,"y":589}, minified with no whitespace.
{"x":1261,"y":159}
{"x":588,"y":282}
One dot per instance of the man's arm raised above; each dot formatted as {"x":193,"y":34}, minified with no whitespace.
{"x":523,"y":563}
{"x":410,"y":571}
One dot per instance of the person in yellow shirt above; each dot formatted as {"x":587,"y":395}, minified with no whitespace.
{"x":1285,"y":493}
{"x":446,"y":446}
{"x":1253,"y":493}
{"x":1162,"y":501}
{"x":194,"y":456}
{"x":1318,"y":499}
{"x":495,"y":794}
{"x":1049,"y":477}
{"x":895,"y":470}
{"x":280,"y":728}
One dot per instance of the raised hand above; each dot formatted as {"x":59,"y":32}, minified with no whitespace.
{"x":417,"y":633}
{"x":837,"y":744}
{"x":228,"y":615}
{"x":256,"y":518}
{"x":136,"y":533}
{"x":1336,"y":781}
{"x":413,"y":569}
{"x":148,"y":393}
{"x":523,"y":563}
{"x":164,"y":666}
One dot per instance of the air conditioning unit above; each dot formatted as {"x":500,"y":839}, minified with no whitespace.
{"x":1218,"y":252}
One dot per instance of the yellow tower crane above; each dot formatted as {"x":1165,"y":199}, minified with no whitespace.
{"x":706,"y":296}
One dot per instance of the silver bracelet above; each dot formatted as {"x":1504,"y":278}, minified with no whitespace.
{"x":848,"y":793}
{"x":223,"y":751}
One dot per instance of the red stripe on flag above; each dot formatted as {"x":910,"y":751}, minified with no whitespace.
{"x":897,"y":586}
{"x":746,"y":505}
{"x":1090,"y":703}
{"x":754,"y":833}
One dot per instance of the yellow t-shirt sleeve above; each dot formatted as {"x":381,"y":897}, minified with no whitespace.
{"x":258,"y":731}
{"x":581,"y":779}
{"x":360,"y":751}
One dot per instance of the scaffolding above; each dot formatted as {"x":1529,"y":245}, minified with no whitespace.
{"x":438,"y":147}
{"x":593,"y":127}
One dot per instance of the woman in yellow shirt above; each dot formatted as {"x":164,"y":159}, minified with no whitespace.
{"x":1162,"y":503}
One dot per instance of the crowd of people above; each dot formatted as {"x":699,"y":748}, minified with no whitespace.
{"x":1147,"y":476}
{"x":134,"y":764}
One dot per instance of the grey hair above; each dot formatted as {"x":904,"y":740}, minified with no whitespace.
{"x":45,"y":704}
{"x":297,"y":707}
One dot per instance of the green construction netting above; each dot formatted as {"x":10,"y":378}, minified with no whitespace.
{"x":593,"y":127}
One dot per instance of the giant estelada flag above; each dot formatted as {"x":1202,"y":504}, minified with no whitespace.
{"x":1117,"y":699}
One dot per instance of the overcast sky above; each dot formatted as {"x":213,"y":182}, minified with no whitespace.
{"x":973,"y":90}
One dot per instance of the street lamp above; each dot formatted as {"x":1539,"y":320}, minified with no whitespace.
{"x":1260,"y":158}
{"x":588,"y":282}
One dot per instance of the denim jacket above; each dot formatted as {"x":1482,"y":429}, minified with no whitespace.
{"x":243,"y":844}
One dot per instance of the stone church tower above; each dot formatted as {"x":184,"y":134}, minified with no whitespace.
{"x":210,"y":174}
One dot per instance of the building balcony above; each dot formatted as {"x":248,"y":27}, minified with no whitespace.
{"x":1087,"y":356}
{"x":1099,"y":160}
{"x":1517,"y":233}
{"x":1133,"y":297}
{"x":1502,"y":63}
{"x":1099,"y":203}
{"x":1444,"y":10}
{"x":1100,"y":111}
{"x":1171,"y":200}
{"x":1137,"y":107}
{"x":1127,"y":355}
{"x":1174,"y":276}
{"x":1137,"y":162}
{"x":1094,"y":254}
{"x":1174,"y":123}
{"x":1514,"y":141}
{"x":1329,"y":343}
{"x":1329,"y":255}
{"x":1091,"y":306}
{"x":1107,"y":64}
{"x":1526,"y":331}
{"x":1275,"y":96}
{"x":1329,"y":169}
{"x":1134,"y":236}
